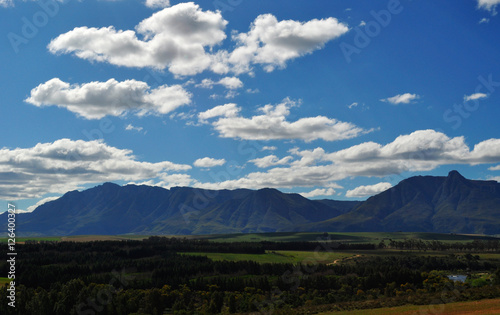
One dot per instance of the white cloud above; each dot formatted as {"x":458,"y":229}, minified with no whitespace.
{"x":489,"y":5}
{"x":175,"y":38}
{"x":10,"y":3}
{"x":364,"y":191}
{"x":95,"y":100}
{"x":157,"y":4}
{"x":271,"y":43}
{"x":484,"y":20}
{"x":231,"y":83}
{"x":269,"y":148}
{"x":494,"y":168}
{"x":475,"y":96}
{"x":401,"y":98}
{"x":319,"y":192}
{"x":227,"y":110}
{"x":422,"y":150}
{"x":183,"y":38}
{"x":41,"y":202}
{"x":271,"y":160}
{"x":6,"y":3}
{"x":272,"y":124}
{"x":66,"y":165}
{"x":207,"y":162}
{"x":131,"y":127}
{"x":497,"y":178}
{"x":352,"y":105}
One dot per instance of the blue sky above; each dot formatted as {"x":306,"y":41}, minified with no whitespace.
{"x":330,"y":99}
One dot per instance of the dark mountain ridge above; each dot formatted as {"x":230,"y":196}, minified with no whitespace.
{"x":451,"y":204}
{"x":419,"y":204}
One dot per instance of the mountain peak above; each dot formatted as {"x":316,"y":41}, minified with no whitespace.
{"x":455,"y":174}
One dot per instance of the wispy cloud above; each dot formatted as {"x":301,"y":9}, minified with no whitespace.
{"x":475,"y":96}
{"x":370,"y":190}
{"x":319,"y":192}
{"x":405,"y":98}
{"x":207,"y":162}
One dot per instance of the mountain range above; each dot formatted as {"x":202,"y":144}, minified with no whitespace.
{"x":451,"y":204}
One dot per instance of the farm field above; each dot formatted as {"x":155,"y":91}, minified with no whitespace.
{"x":279,"y":256}
{"x":351,"y":237}
{"x":327,"y":257}
{"x":489,"y":307}
{"x":354,"y":237}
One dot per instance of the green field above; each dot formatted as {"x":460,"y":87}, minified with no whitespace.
{"x":328,"y":257}
{"x":354,"y":237}
{"x":280,"y":256}
{"x":459,"y":308}
{"x":348,"y":237}
{"x":24,"y":239}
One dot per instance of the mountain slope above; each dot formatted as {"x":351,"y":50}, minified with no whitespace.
{"x":111,"y":209}
{"x":425,"y":204}
{"x":417,"y":204}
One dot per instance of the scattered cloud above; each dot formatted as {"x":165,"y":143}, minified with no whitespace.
{"x":271,"y":43}
{"x":10,"y":3}
{"x":253,"y":91}
{"x":183,"y":38}
{"x":422,"y":150}
{"x":271,"y":160}
{"x":272,"y":124}
{"x":227,"y":110}
{"x":231,"y":83}
{"x":157,"y":4}
{"x":489,"y":5}
{"x":176,"y":38}
{"x":207,"y":162}
{"x":66,"y":165}
{"x":131,"y":127}
{"x":494,"y":168}
{"x":401,"y":99}
{"x":269,"y":148}
{"x":370,"y":190}
{"x":319,"y":192}
{"x":475,"y":96}
{"x":362,"y":23}
{"x":41,"y":202}
{"x":95,"y":100}
{"x":484,"y":20}
{"x":355,"y":104}
{"x":497,"y":178}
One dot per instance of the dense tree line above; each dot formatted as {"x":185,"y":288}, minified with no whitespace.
{"x":156,"y":276}
{"x":417,"y":244}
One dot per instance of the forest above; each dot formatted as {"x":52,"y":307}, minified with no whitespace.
{"x":158,"y":276}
